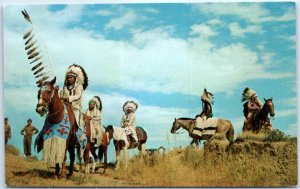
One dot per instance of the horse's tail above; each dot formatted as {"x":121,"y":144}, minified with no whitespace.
{"x":230,"y":132}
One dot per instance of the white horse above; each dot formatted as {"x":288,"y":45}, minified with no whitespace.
{"x":121,"y":142}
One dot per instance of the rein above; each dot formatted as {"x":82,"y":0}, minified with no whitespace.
{"x":181,"y":131}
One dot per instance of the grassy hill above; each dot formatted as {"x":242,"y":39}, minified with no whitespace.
{"x":247,"y":162}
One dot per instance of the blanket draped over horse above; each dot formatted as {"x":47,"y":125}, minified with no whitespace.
{"x":223,"y":127}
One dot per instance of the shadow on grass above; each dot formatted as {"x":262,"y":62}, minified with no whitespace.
{"x":35,"y":172}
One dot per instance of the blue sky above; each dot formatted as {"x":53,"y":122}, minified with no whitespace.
{"x":161,"y":58}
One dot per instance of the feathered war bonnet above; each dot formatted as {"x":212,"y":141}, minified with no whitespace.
{"x":98,"y":102}
{"x":207,"y":96}
{"x":130,"y":105}
{"x":80,"y":75}
{"x":248,"y":94}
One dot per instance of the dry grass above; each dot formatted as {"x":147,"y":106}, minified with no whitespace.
{"x":247,"y":163}
{"x":12,"y":149}
{"x":268,"y":165}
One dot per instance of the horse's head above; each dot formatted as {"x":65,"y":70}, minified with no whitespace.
{"x":45,"y":94}
{"x":110,"y":130}
{"x":175,"y":126}
{"x":270,"y":106}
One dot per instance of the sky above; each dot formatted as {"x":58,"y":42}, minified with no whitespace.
{"x":160,"y":58}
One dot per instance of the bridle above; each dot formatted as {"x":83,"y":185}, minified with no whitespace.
{"x":182,"y":129}
{"x":47,"y":102}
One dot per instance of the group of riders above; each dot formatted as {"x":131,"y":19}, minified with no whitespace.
{"x":252,"y":105}
{"x":74,"y":86}
{"x":76,"y":82}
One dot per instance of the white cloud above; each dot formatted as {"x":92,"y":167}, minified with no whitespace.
{"x":152,"y":61}
{"x":292,"y":130}
{"x":214,"y":21}
{"x":104,"y":12}
{"x":236,"y":29}
{"x":128,"y":18}
{"x":202,"y":30}
{"x":291,"y":102}
{"x":267,"y":57}
{"x":261,"y":46}
{"x":251,"y":12}
{"x":292,"y":39}
{"x":151,"y":10}
{"x":286,"y":112}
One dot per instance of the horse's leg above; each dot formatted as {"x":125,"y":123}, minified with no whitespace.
{"x":102,"y":151}
{"x":71,"y":150}
{"x":95,"y":157}
{"x":57,"y":169}
{"x":79,"y":156}
{"x":87,"y":159}
{"x":117,"y":148}
{"x":125,"y":152}
{"x":63,"y":167}
{"x":105,"y":158}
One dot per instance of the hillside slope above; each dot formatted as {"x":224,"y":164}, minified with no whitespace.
{"x":245,"y":163}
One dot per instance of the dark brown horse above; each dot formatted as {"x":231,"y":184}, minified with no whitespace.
{"x":53,"y":107}
{"x":261,"y":121}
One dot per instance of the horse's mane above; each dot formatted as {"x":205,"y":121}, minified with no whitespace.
{"x":185,"y":118}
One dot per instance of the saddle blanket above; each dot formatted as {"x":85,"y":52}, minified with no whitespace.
{"x":205,"y":126}
{"x":60,"y":130}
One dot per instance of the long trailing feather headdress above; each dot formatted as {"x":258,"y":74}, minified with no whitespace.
{"x":37,"y":52}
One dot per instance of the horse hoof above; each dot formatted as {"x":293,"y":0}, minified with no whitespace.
{"x":69,"y":175}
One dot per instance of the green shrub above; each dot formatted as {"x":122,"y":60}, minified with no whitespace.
{"x":276,"y":135}
{"x":12,"y":149}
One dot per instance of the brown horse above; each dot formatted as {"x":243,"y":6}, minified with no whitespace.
{"x":51,"y":105}
{"x":261,"y":121}
{"x":224,"y":127}
{"x":102,"y":151}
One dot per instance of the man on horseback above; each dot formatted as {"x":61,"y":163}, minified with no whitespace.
{"x":129,"y":120}
{"x":75,"y":83}
{"x":251,"y":106}
{"x":207,"y":101}
{"x":94,"y":114}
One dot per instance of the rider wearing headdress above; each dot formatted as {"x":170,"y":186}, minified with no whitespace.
{"x":251,"y":106}
{"x":76,"y":81}
{"x":94,"y":113}
{"x":207,"y":101}
{"x":129,"y":120}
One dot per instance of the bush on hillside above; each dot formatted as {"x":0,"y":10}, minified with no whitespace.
{"x":12,"y":149}
{"x":276,"y":135}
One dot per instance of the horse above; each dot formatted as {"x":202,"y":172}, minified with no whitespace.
{"x":261,"y":120}
{"x":224,"y":127}
{"x":121,"y":142}
{"x":54,"y":108}
{"x":102,"y":151}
